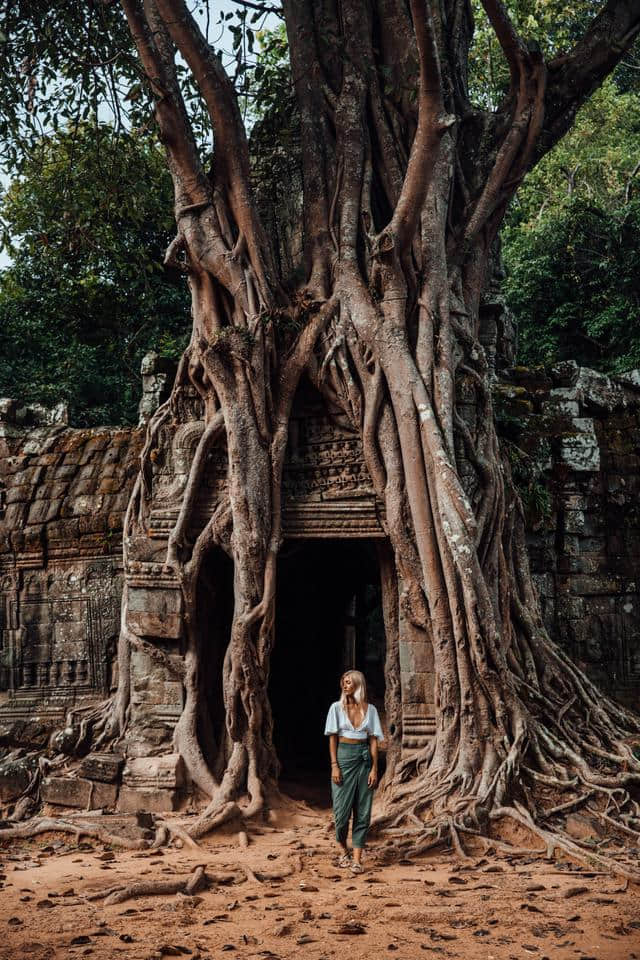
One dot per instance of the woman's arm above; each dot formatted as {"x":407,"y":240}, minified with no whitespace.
{"x":373,"y":773}
{"x":336,"y":774}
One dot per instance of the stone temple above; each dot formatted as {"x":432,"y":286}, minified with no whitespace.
{"x":573,"y":436}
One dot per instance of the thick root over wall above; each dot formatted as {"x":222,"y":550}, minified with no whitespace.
{"x":403,"y":199}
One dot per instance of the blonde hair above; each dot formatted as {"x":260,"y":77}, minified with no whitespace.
{"x":360,"y":685}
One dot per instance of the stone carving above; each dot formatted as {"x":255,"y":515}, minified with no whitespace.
{"x":62,"y":498}
{"x":60,"y":632}
{"x":157,"y":378}
{"x":65,"y":492}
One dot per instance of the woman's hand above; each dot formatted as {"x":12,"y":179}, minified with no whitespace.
{"x":372,"y":779}
{"x":336,"y":774}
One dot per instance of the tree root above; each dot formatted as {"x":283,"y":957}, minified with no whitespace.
{"x":190,"y":885}
{"x":166,"y":832}
{"x":198,"y":880}
{"x":445,"y":830}
{"x":556,"y":839}
{"x":213,"y":818}
{"x":39,"y":825}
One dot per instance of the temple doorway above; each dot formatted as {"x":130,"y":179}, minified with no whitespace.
{"x":328,"y":619}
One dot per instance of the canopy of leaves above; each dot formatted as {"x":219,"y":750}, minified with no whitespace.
{"x":86,"y":294}
{"x":552,"y":26}
{"x":572,"y":244}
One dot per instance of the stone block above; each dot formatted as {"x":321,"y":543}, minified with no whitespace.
{"x":111,"y":454}
{"x":580,"y":564}
{"x":586,"y":585}
{"x":155,"y":612}
{"x":565,"y":373}
{"x":136,"y":800}
{"x":545,"y":584}
{"x":165,"y":772}
{"x":574,"y":521}
{"x":85,"y":506}
{"x":579,"y":450}
{"x":8,"y":408}
{"x":30,"y":734}
{"x":42,"y":511}
{"x":83,"y":488}
{"x":570,"y":607}
{"x":65,"y":471}
{"x":78,"y":792}
{"x":104,"y":767}
{"x":630,"y":379}
{"x":15,"y":776}
{"x":578,"y":501}
{"x":110,"y":485}
{"x":18,"y":494}
{"x":417,"y":688}
{"x":598,"y":391}
{"x":562,"y":400}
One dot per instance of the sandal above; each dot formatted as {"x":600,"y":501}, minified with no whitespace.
{"x":356,"y":868}
{"x":345,"y":860}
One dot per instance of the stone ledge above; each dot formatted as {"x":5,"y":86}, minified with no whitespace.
{"x":104,"y":767}
{"x":134,"y":800}
{"x":77,"y":792}
{"x":152,"y":773}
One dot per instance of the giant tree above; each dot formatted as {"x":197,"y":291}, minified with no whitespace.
{"x":405,"y":184}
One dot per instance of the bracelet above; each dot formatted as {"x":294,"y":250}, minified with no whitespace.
{"x":335,"y":763}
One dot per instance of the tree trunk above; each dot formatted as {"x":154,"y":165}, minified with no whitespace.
{"x":405,"y":186}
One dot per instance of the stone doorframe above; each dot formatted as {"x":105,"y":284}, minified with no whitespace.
{"x":327,"y":493}
{"x":155,"y":616}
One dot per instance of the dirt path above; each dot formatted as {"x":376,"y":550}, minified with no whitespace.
{"x":490,"y":908}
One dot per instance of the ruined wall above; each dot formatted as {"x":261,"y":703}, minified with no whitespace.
{"x":573,"y":438}
{"x":64,"y":493}
{"x":574,"y":443}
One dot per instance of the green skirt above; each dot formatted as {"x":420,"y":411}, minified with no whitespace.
{"x":353,"y":795}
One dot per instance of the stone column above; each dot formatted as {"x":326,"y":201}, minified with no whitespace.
{"x":417,"y":683}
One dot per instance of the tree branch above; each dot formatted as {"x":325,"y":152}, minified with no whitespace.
{"x":314,"y":134}
{"x":508,"y":38}
{"x":230,"y":139}
{"x":574,"y":77}
{"x":189,"y":180}
{"x":432,"y":123}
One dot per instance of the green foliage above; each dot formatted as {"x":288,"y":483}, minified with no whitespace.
{"x":572,"y":242}
{"x":553,"y":26}
{"x":86,"y":294}
{"x":59,"y":64}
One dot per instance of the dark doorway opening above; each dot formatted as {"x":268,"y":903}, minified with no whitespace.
{"x":328,"y":619}
{"x":215,"y":616}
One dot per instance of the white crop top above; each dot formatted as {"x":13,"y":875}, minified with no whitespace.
{"x":338,"y":722}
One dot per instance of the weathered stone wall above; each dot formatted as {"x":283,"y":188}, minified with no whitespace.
{"x":573,"y":438}
{"x":64,"y":493}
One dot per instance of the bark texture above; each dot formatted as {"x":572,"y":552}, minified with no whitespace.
{"x":405,"y":185}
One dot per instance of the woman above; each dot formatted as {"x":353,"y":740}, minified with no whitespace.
{"x":353,"y":728}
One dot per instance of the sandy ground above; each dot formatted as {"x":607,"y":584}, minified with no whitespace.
{"x":491,"y":908}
